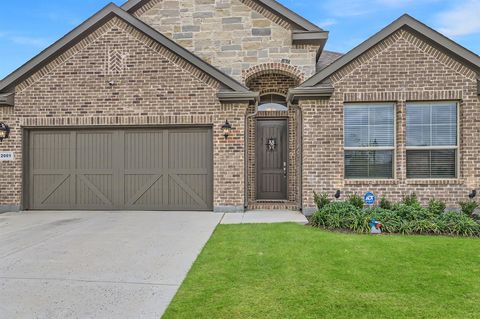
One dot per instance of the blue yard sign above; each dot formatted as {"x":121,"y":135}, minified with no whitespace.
{"x":369,"y":198}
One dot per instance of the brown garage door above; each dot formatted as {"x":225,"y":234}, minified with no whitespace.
{"x":130,"y":169}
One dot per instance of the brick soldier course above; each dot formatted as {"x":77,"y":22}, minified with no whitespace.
{"x":190,"y":63}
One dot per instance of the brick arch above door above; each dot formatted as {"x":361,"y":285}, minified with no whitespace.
{"x":274,"y":68}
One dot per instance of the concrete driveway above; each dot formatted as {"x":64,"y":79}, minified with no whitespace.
{"x":96,"y":265}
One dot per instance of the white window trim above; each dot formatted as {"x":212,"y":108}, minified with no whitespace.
{"x":373,"y":148}
{"x":436,"y":148}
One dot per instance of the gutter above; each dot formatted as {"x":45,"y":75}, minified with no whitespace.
{"x":309,"y":93}
{"x":7,"y":99}
{"x":238,"y":97}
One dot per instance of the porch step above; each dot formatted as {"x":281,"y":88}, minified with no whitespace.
{"x":273,"y":205}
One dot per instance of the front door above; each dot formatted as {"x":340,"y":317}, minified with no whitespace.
{"x":272,"y":145}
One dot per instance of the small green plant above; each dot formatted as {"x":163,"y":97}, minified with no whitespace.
{"x":356,"y":201}
{"x":411,"y":200}
{"x":385,"y":204}
{"x":436,"y":207}
{"x":468,"y":207}
{"x":321,"y":200}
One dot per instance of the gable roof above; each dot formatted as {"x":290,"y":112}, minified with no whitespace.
{"x":437,"y":39}
{"x":105,"y":14}
{"x":272,"y":5}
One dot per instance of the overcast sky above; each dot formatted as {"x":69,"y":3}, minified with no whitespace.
{"x":29,"y":26}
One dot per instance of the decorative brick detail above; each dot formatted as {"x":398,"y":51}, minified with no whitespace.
{"x":400,"y":69}
{"x":154,"y":88}
{"x":284,"y":69}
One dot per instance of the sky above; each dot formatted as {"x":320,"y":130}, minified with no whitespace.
{"x":29,"y":26}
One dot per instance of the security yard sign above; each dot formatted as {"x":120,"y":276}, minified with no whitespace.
{"x":369,"y":198}
{"x":6,"y":156}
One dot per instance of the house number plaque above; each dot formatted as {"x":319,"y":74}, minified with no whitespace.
{"x":6,"y":156}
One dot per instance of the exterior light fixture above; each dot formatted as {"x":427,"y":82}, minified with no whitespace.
{"x":4,"y":131}
{"x":227,"y":128}
{"x":338,"y":194}
{"x":473,"y":194}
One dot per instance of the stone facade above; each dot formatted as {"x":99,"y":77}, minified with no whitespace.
{"x":232,"y":35}
{"x":151,"y":87}
{"x":400,"y":69}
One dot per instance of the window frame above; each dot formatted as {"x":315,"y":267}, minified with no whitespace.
{"x":372,"y":148}
{"x":435,"y":148}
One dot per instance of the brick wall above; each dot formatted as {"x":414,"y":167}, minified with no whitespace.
{"x":402,"y":68}
{"x":233,"y":35}
{"x":151,"y":86}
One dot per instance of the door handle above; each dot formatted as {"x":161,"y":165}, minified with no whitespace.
{"x":285,"y":169}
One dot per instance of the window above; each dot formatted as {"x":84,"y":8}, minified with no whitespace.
{"x":432,"y":140}
{"x":273,"y":102}
{"x":369,"y":141}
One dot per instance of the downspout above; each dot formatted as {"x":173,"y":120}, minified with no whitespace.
{"x":246,"y":139}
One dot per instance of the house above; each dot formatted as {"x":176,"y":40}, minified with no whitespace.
{"x":234,"y":104}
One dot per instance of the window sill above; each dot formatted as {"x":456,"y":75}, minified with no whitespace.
{"x":452,"y":181}
{"x":371,"y":182}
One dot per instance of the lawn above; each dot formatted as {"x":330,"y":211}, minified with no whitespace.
{"x":293,"y":271}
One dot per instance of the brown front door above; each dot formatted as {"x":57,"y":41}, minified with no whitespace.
{"x":272,"y":163}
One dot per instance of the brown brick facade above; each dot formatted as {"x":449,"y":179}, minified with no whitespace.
{"x":401,"y":69}
{"x":145,"y":85}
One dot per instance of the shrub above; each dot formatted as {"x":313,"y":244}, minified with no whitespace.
{"x":407,"y":217}
{"x":468,"y":207}
{"x":336,"y":215}
{"x":385,"y":203}
{"x":458,"y":224}
{"x":411,"y":200}
{"x":356,"y":201}
{"x":409,"y":212}
{"x":390,"y":220}
{"x":436,"y":207}
{"x":321,"y":200}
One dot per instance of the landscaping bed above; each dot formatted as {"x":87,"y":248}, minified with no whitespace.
{"x":406,"y":217}
{"x":293,"y":271}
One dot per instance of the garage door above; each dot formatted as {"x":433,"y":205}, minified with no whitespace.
{"x":130,"y":169}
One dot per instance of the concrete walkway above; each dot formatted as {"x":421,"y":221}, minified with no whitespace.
{"x":264,"y":217}
{"x":103,"y":264}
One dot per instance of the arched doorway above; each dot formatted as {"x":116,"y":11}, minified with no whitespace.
{"x":272,"y":157}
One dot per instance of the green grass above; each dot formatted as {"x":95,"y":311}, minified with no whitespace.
{"x":292,"y":271}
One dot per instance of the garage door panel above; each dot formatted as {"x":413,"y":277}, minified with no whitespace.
{"x":51,"y":151}
{"x":94,"y":150}
{"x":144,"y":191}
{"x":95,"y":190}
{"x":52,"y":190}
{"x":144,"y":150}
{"x":138,"y":169}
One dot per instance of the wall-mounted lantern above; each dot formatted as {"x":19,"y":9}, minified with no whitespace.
{"x":4,"y":131}
{"x":338,"y":194}
{"x":227,"y":128}
{"x":473,"y":194}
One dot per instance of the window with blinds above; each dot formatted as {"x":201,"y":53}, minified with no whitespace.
{"x":369,"y":132}
{"x":432,"y":140}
